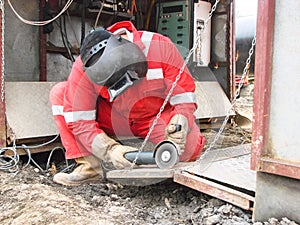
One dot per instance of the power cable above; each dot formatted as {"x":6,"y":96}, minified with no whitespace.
{"x":99,"y":13}
{"x":10,"y":163}
{"x":40,"y":23}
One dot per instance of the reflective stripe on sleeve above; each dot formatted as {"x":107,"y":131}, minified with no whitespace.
{"x":73,"y":116}
{"x":57,"y":110}
{"x":187,"y":97}
{"x":146,"y":39}
{"x":80,"y":115}
{"x":153,"y":74}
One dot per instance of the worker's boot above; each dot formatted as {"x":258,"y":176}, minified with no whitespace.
{"x":88,"y":170}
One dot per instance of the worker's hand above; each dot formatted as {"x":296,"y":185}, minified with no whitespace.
{"x":108,"y":150}
{"x":177,"y":131}
{"x":117,"y":156}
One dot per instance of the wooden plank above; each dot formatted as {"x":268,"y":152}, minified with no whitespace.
{"x":143,"y":175}
{"x":140,"y":176}
{"x":216,"y":190}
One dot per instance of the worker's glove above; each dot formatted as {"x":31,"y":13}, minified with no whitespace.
{"x":117,"y":156}
{"x":108,"y":150}
{"x":177,"y":130}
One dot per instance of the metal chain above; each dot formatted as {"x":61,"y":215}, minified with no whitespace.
{"x":7,"y":162}
{"x":246,"y":68}
{"x":173,"y":86}
{"x":2,"y":53}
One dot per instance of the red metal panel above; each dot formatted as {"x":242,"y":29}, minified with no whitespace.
{"x":279,"y":167}
{"x":2,"y":103}
{"x":263,"y":71}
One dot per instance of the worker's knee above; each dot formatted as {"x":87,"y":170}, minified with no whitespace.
{"x":57,"y":93}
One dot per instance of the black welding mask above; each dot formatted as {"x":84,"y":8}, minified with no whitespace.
{"x":112,"y":61}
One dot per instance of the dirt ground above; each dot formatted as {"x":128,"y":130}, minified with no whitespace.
{"x":31,"y":197}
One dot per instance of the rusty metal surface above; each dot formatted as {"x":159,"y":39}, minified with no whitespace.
{"x":214,"y":189}
{"x":262,"y":76}
{"x":28,"y":109}
{"x":279,"y":167}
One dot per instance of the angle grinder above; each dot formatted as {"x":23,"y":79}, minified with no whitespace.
{"x":165,"y":155}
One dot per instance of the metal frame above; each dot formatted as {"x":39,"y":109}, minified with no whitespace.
{"x":263,"y":73}
{"x":261,"y":159}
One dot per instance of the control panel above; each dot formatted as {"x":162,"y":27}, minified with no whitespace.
{"x":174,"y":22}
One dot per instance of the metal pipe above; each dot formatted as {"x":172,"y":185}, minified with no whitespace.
{"x":42,"y":46}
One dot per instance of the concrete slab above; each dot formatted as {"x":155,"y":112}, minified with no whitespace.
{"x":28,"y":109}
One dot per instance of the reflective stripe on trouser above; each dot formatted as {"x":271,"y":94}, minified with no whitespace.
{"x":67,"y":137}
{"x":115,"y":124}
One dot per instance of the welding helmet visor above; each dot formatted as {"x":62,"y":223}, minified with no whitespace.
{"x":120,"y":64}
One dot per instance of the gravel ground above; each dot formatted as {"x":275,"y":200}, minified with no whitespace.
{"x":31,"y":197}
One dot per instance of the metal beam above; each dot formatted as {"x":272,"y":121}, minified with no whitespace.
{"x":263,"y":73}
{"x":42,"y":46}
{"x":279,"y":167}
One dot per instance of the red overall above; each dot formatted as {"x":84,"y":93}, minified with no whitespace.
{"x":82,"y":109}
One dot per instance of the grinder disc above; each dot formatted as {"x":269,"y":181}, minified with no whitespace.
{"x":166,"y":155}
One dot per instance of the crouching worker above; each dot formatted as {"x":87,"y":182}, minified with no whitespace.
{"x":116,"y":88}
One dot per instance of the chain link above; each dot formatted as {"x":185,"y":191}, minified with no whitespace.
{"x":9,"y":163}
{"x":2,"y":53}
{"x":246,"y":68}
{"x":173,"y":85}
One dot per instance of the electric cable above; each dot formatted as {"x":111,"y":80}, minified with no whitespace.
{"x":99,"y":13}
{"x":10,"y":163}
{"x":71,"y":25}
{"x":40,"y":23}
{"x":63,"y":40}
{"x":68,"y":44}
{"x":147,"y":23}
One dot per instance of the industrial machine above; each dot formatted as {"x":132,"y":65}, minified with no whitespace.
{"x":174,"y":22}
